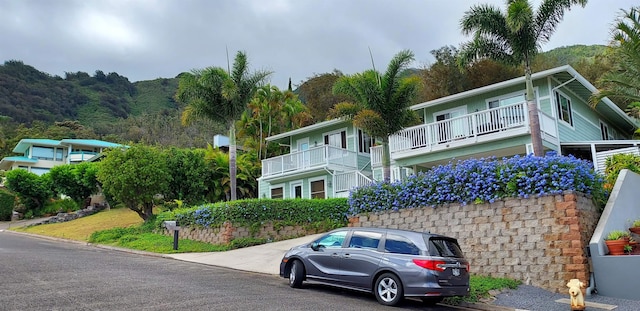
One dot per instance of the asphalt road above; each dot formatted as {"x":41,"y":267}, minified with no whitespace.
{"x":39,"y":274}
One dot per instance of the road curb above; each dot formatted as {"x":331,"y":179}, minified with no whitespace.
{"x":486,"y":307}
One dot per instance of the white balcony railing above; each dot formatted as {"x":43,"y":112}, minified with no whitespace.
{"x":376,"y":156}
{"x":317,"y":157}
{"x":464,"y":127}
{"x":349,"y":180}
{"x":81,"y":156}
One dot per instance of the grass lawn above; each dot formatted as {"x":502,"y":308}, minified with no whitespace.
{"x":81,"y":228}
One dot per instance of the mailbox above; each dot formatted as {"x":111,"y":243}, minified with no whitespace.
{"x":172,"y":225}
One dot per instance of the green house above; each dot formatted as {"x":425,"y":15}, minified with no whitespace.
{"x":328,"y":159}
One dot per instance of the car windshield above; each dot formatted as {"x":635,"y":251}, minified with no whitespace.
{"x":443,"y":247}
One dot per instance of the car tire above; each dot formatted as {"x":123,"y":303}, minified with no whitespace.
{"x":431,"y":301}
{"x":388,"y":289}
{"x":296,"y":275}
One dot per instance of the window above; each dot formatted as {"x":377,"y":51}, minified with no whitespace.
{"x":277,"y":193}
{"x":604,"y":131}
{"x":42,"y":153}
{"x":364,"y":142}
{"x":509,"y":116}
{"x":400,"y":245}
{"x":59,"y":154}
{"x":361,"y":239}
{"x":39,"y":170}
{"x":332,"y":240}
{"x":317,"y":189}
{"x":338,"y":139}
{"x":564,"y":108}
{"x":444,"y":248}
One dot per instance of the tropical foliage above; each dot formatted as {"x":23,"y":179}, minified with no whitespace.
{"x":77,"y":181}
{"x":622,"y":83}
{"x":514,"y":37}
{"x":480,"y":181}
{"x":134,"y":176}
{"x":214,"y":94}
{"x":317,"y":94}
{"x":618,"y":162}
{"x":7,"y":203}
{"x":32,"y":190}
{"x":270,"y":112}
{"x":380,"y":103}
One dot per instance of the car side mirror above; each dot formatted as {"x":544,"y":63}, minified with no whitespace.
{"x":315,"y":246}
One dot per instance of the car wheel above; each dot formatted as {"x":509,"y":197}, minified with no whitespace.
{"x":431,"y":301}
{"x":388,"y":289}
{"x":296,"y":276}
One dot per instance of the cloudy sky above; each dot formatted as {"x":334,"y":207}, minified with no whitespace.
{"x":148,"y":39}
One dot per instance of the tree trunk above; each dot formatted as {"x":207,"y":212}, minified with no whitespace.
{"x":232,"y":161}
{"x":534,"y":119}
{"x":386,"y":160}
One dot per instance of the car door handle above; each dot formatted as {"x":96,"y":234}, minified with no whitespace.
{"x":347,"y":256}
{"x":334,"y":255}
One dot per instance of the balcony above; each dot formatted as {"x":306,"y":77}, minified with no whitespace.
{"x":344,"y":182}
{"x":315,"y":158}
{"x":81,"y":156}
{"x":483,"y":126}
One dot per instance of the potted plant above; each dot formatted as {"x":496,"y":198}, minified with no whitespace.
{"x":635,"y":226}
{"x":616,"y":241}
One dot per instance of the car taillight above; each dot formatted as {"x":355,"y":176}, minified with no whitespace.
{"x":468,"y":267}
{"x":435,"y":265}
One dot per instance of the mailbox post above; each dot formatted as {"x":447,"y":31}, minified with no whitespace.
{"x":173,"y":225}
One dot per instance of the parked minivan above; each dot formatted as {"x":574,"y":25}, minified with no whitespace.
{"x":392,"y":264}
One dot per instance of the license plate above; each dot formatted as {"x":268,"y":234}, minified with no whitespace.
{"x":455,"y":271}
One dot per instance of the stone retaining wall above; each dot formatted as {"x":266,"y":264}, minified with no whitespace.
{"x":540,"y":241}
{"x":227,"y":232}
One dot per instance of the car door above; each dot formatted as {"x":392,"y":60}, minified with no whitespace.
{"x":361,"y":258}
{"x":324,"y":257}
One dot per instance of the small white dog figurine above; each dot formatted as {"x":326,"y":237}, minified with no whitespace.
{"x":575,"y":292}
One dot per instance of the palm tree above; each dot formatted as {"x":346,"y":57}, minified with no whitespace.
{"x":212,"y":93}
{"x":623,"y":82}
{"x":514,"y":38}
{"x":380,"y":104}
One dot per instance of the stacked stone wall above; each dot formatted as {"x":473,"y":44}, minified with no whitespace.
{"x":540,"y":241}
{"x":227,"y":232}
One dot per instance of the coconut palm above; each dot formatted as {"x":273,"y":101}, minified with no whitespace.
{"x":212,"y":93}
{"x":380,"y":103}
{"x":514,"y":37}
{"x":623,"y":82}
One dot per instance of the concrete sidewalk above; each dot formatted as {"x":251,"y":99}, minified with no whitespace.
{"x":263,"y":258}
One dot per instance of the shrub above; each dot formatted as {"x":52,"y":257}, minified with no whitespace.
{"x":7,"y":202}
{"x":477,"y":181}
{"x":33,"y":190}
{"x":616,"y":163}
{"x":329,"y":213}
{"x":60,"y":206}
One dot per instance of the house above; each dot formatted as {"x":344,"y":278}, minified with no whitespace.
{"x":40,"y":155}
{"x":329,"y":158}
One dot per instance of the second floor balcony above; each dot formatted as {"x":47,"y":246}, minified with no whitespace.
{"x":322,"y":157}
{"x":478,"y":127}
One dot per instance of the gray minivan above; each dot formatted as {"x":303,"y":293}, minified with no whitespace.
{"x":391,"y":263}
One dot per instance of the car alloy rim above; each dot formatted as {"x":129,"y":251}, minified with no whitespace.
{"x":387,"y":289}
{"x":292,"y":274}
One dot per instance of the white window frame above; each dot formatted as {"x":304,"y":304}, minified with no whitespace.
{"x":326,"y":187}
{"x":339,"y":131}
{"x":292,"y":189}
{"x":276,"y":187}
{"x":361,"y":143}
{"x":559,"y":109}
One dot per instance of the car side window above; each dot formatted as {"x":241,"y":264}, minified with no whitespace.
{"x":400,"y":245}
{"x":361,"y":239}
{"x":332,"y":240}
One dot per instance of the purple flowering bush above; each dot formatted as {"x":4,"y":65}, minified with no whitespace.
{"x":481,"y":180}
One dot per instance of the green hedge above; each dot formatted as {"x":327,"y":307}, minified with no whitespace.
{"x":7,"y":202}
{"x":329,"y":212}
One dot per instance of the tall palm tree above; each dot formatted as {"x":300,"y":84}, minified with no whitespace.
{"x":212,"y":93}
{"x":514,"y":37}
{"x":623,"y":82}
{"x":381,"y":103}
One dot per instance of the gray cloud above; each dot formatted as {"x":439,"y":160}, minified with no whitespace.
{"x":148,"y":39}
